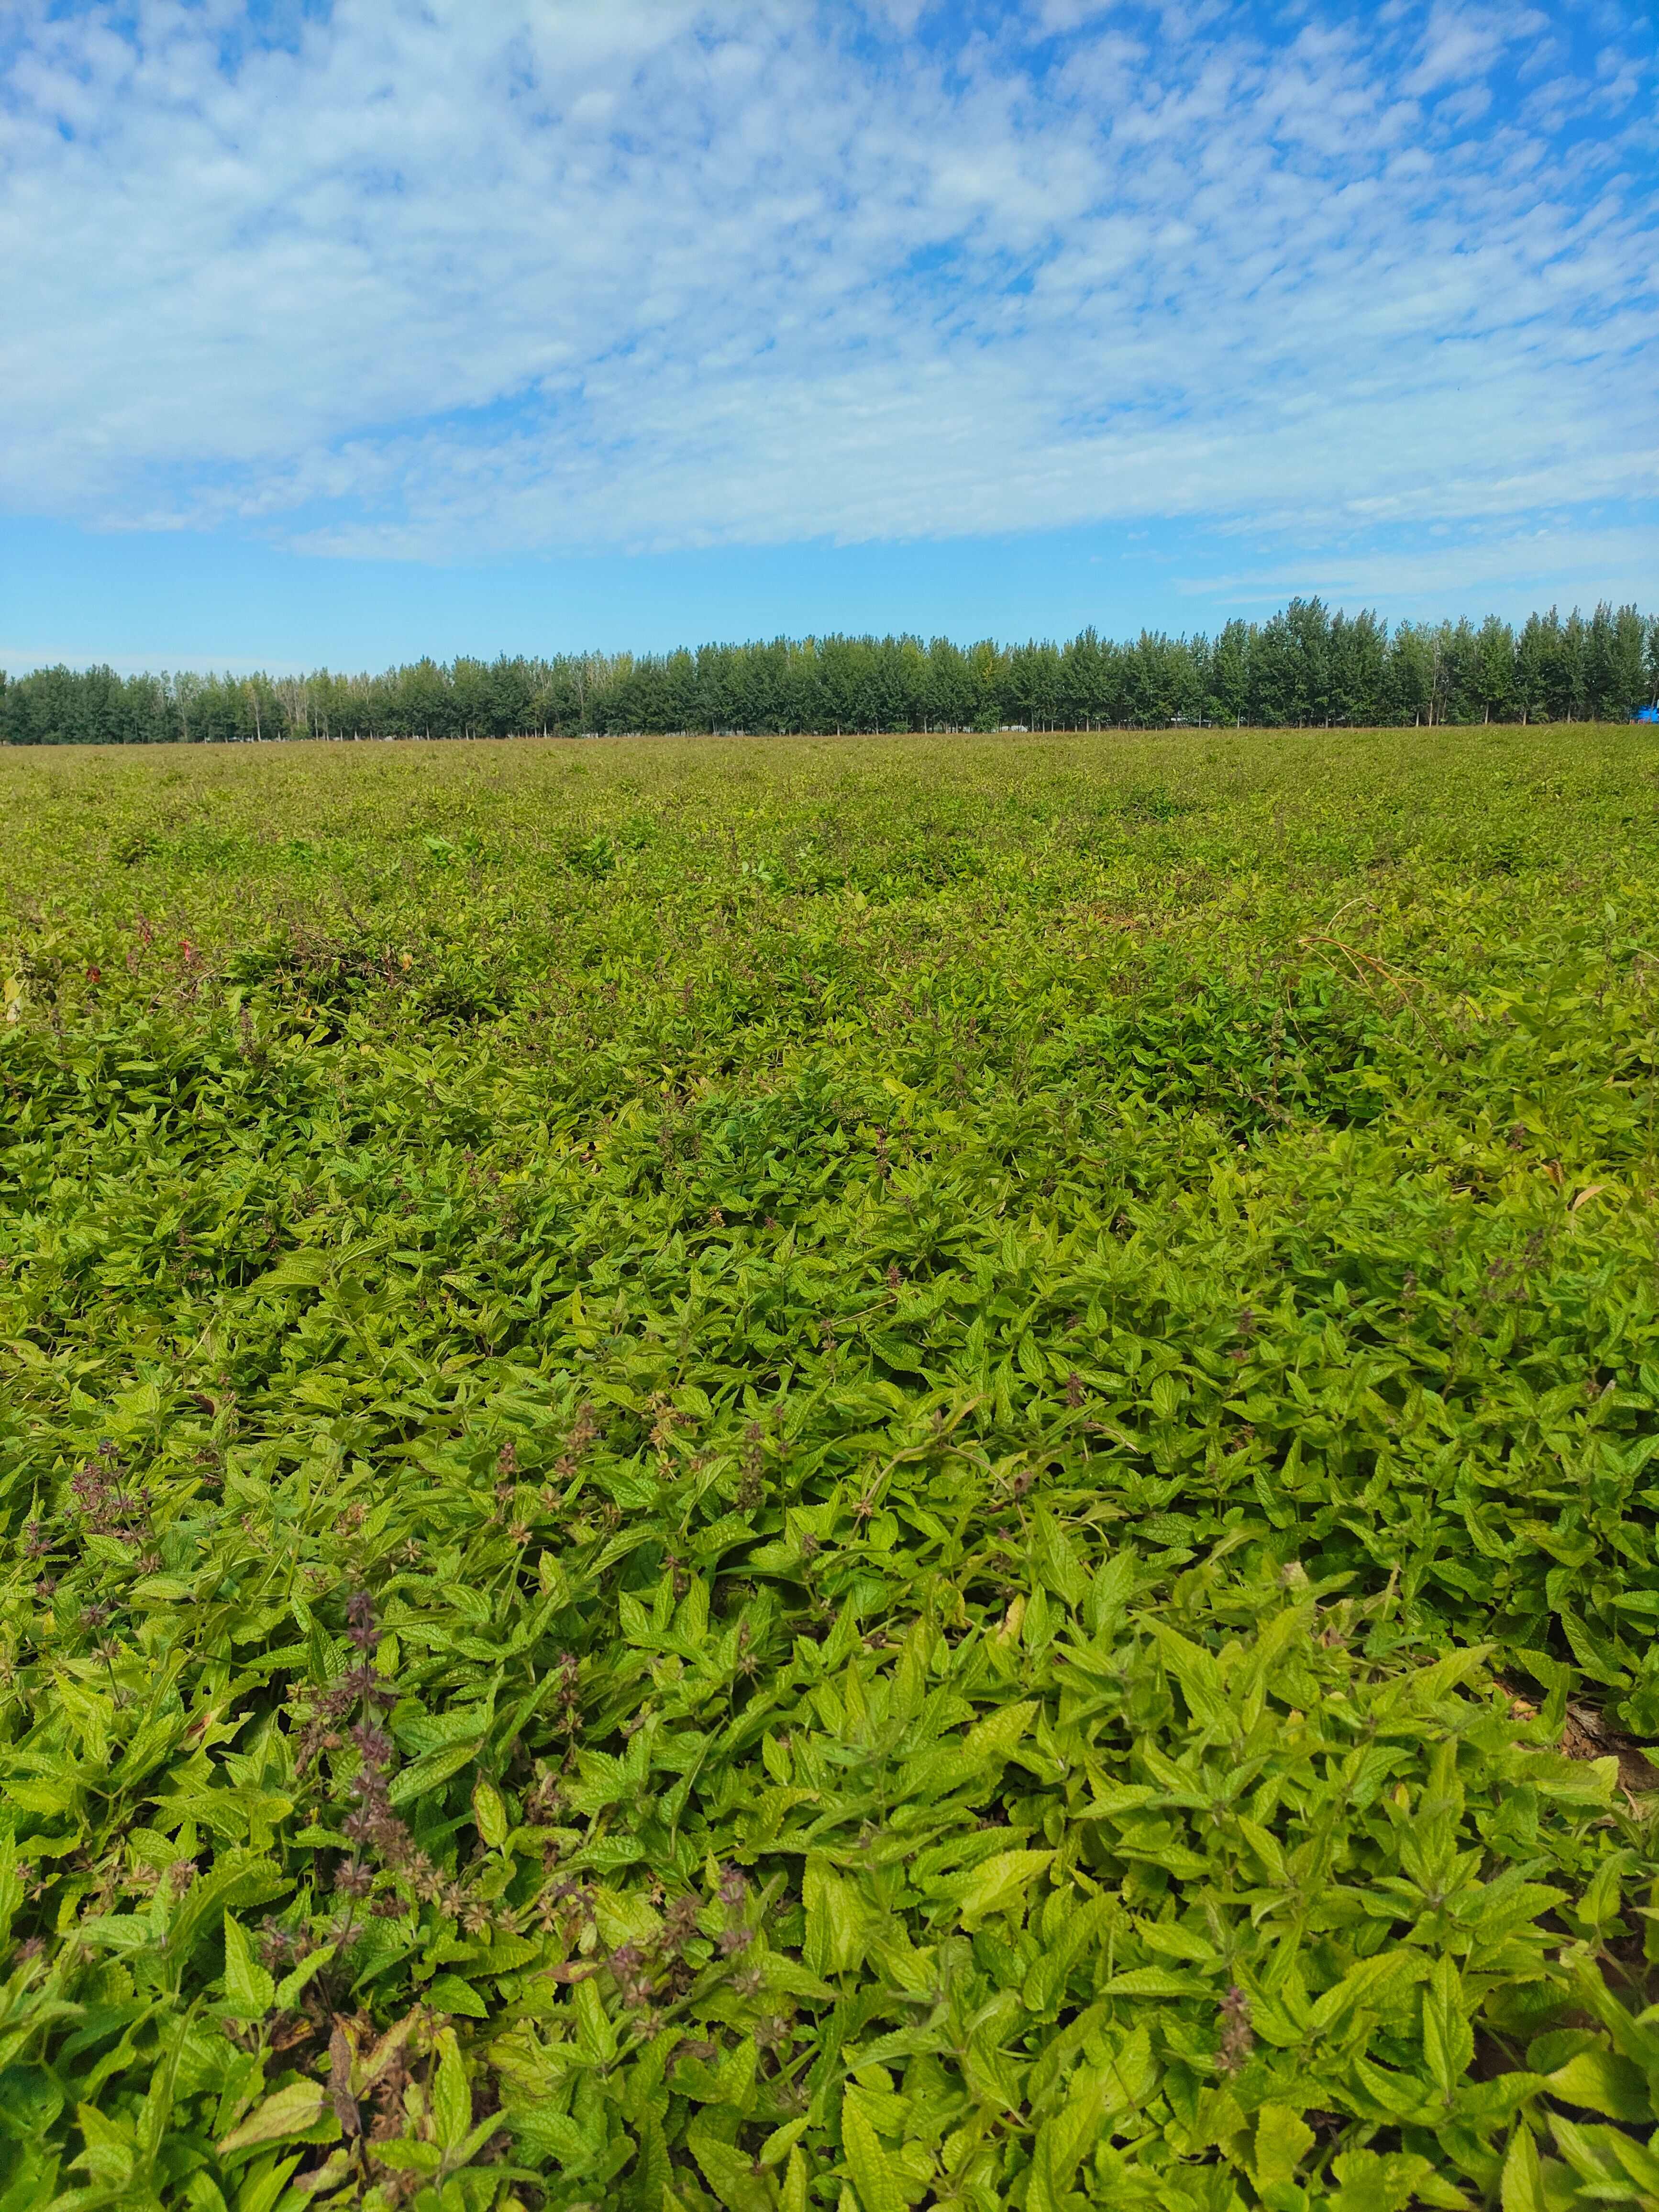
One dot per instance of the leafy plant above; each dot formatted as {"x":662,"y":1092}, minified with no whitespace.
{"x":792,"y":1522}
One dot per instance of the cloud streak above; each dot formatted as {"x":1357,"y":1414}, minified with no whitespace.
{"x":450,"y":279}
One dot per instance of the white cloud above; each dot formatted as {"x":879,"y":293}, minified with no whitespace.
{"x":1517,"y":569}
{"x":1461,"y":42}
{"x":483,"y":274}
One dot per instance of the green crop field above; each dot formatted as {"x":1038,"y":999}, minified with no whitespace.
{"x":853,"y":1475}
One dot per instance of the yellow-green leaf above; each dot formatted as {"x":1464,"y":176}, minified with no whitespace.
{"x":875,"y":2177}
{"x":291,"y":2112}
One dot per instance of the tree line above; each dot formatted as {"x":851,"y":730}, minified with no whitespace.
{"x":1306,"y":666}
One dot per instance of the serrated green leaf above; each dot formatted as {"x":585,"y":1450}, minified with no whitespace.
{"x":451,"y":2098}
{"x":249,"y":1990}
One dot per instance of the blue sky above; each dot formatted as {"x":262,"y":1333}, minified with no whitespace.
{"x":343,"y":332}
